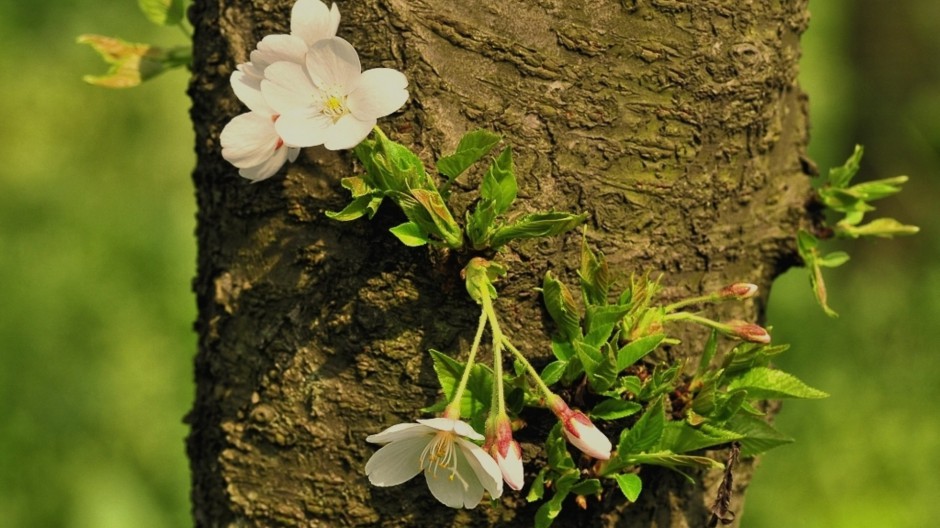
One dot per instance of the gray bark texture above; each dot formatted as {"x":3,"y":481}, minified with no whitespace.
{"x":678,"y":125}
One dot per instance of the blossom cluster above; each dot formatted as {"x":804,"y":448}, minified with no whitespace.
{"x":456,"y":469}
{"x":305,"y":89}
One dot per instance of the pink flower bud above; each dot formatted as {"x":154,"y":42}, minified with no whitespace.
{"x":749,"y":332}
{"x":739,"y":290}
{"x":506,"y":451}
{"x":580,"y":431}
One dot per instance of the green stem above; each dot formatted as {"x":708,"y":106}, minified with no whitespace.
{"x":712,"y":297}
{"x":453,"y":408}
{"x":499,"y":399}
{"x":686,"y":316}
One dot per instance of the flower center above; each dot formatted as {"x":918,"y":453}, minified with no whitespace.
{"x":441,"y":453}
{"x":334,"y":105}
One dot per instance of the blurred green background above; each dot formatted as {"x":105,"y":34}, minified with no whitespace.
{"x":97,"y":253}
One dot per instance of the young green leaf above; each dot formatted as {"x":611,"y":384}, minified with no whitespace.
{"x":535,"y":226}
{"x":600,"y":320}
{"x":595,"y":276}
{"x":839,"y":177}
{"x":553,"y":371}
{"x":645,"y":433}
{"x":680,"y":437}
{"x":630,"y":484}
{"x":635,"y":350}
{"x":409,"y":233}
{"x":759,"y":436}
{"x":561,"y":307}
{"x":763,"y":383}
{"x":475,"y":402}
{"x":473,"y":146}
{"x":833,"y":260}
{"x":162,"y":12}
{"x":881,"y":227}
{"x":614,"y":409}
{"x":499,"y":182}
{"x":447,"y":228}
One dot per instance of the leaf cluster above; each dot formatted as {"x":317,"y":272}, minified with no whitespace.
{"x":852,"y":202}
{"x":130,"y":63}
{"x":393,"y":171}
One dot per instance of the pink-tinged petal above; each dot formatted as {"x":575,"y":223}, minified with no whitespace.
{"x":396,"y":462}
{"x":585,"y":436}
{"x":248,"y":140}
{"x":348,"y":132}
{"x":311,"y":20}
{"x":511,"y":467}
{"x":400,"y":431}
{"x":379,"y":92}
{"x":483,"y":466}
{"x":286,"y":87}
{"x":333,"y":64}
{"x":304,"y":128}
{"x":248,"y":91}
{"x":267,"y":169}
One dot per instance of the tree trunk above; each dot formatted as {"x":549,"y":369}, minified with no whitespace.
{"x":678,"y":125}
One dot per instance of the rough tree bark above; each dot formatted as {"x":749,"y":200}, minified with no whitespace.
{"x":678,"y":124}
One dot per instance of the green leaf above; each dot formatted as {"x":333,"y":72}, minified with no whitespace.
{"x":673,"y":461}
{"x":447,"y":228}
{"x":759,"y":436}
{"x":563,"y":350}
{"x":409,"y":233}
{"x":537,"y":489}
{"x":645,"y":433}
{"x":587,"y":487}
{"x":473,"y":146}
{"x":763,"y":383}
{"x":130,"y":63}
{"x":561,"y":307}
{"x":553,"y":371}
{"x":711,"y":346}
{"x":839,"y":177}
{"x":499,"y":182}
{"x":635,"y":350}
{"x":680,"y":437}
{"x":878,"y":189}
{"x":475,"y":402}
{"x":363,"y":205}
{"x":881,"y":227}
{"x":613,"y":409}
{"x":162,"y":12}
{"x":402,"y":169}
{"x":535,"y":226}
{"x":599,"y":322}
{"x":833,"y":260}
{"x":556,"y":448}
{"x":630,"y":484}
{"x":595,"y":276}
{"x":480,"y":224}
{"x":599,"y":367}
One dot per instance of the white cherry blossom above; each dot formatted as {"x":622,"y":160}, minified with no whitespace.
{"x":457,"y":471}
{"x":329,"y":100}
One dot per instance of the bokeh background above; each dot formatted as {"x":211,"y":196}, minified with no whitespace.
{"x":97,"y":254}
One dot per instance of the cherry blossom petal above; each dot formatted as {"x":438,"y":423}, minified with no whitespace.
{"x":267,"y":169}
{"x":348,"y":132}
{"x":292,"y":153}
{"x":460,"y":490}
{"x":399,"y":432}
{"x":311,"y":20}
{"x":271,"y":49}
{"x":483,"y":466}
{"x":397,"y":462}
{"x":248,"y":140}
{"x":446,"y":424}
{"x":379,"y":92}
{"x":304,"y":128}
{"x":248,"y":91}
{"x":287,"y":88}
{"x":333,"y":64}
